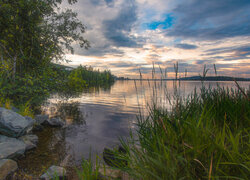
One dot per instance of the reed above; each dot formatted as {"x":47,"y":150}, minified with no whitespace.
{"x":202,"y":136}
{"x":90,"y":170}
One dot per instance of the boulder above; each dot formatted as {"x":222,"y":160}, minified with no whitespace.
{"x":29,"y":129}
{"x":30,"y":141}
{"x":11,"y":147}
{"x":54,"y":171}
{"x":55,"y":122}
{"x":7,"y":166}
{"x":13,"y":124}
{"x":40,"y":119}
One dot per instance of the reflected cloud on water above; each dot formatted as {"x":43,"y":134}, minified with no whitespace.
{"x":97,"y":118}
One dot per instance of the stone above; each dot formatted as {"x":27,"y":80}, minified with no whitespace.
{"x":30,"y":141}
{"x":7,"y":166}
{"x":30,"y":137}
{"x":40,"y":119}
{"x":29,"y":145}
{"x":13,"y":124}
{"x":29,"y":129}
{"x":54,"y":171}
{"x":56,"y":122}
{"x":11,"y":147}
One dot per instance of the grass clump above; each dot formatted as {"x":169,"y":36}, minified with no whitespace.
{"x":90,"y":170}
{"x":203,"y":136}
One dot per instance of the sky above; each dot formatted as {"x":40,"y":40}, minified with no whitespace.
{"x":128,"y":36}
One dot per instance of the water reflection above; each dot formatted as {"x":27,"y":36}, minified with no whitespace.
{"x":96,"y":118}
{"x":69,"y":112}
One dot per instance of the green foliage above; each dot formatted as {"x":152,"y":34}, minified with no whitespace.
{"x":25,"y":110}
{"x":5,"y":103}
{"x":34,"y":88}
{"x":205,"y":136}
{"x":89,"y":170}
{"x":24,"y":89}
{"x":35,"y":33}
{"x":83,"y":77}
{"x":76,"y":81}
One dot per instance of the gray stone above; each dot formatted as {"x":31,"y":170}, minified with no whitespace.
{"x":7,"y":166}
{"x":29,"y":130}
{"x":40,"y":119}
{"x":29,"y":145}
{"x":30,"y":141}
{"x":13,"y":124}
{"x":56,"y":122}
{"x":30,"y":137}
{"x":11,"y":147}
{"x":54,"y":171}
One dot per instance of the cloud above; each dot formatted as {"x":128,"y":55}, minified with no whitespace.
{"x":109,"y":2}
{"x":186,"y":46}
{"x":229,"y":53}
{"x":203,"y":62}
{"x":100,"y":2}
{"x":211,"y":19}
{"x":118,"y":30}
{"x":126,"y":35}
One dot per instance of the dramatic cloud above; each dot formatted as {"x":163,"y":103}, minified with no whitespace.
{"x":118,"y":29}
{"x":128,"y":35}
{"x":211,"y":19}
{"x":186,"y":46}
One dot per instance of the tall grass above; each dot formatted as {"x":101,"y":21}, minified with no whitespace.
{"x":203,"y":136}
{"x":90,"y":170}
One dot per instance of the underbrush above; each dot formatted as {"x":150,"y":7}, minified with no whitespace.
{"x":24,"y":110}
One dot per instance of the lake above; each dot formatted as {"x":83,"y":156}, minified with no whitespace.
{"x":97,"y":118}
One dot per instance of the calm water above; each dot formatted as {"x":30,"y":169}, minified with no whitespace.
{"x":96,"y":119}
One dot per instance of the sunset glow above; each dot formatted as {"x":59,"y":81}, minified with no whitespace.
{"x":128,"y":35}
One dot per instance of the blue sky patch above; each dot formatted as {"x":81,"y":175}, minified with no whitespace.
{"x":165,"y":24}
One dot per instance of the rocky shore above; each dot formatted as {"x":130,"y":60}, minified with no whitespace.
{"x":16,"y":137}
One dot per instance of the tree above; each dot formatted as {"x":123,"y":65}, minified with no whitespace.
{"x":33,"y":33}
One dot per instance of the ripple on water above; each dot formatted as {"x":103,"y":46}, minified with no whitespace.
{"x":94,"y":121}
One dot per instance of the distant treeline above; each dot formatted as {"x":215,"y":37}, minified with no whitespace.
{"x":84,"y":76}
{"x":197,"y":78}
{"x":214,"y":78}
